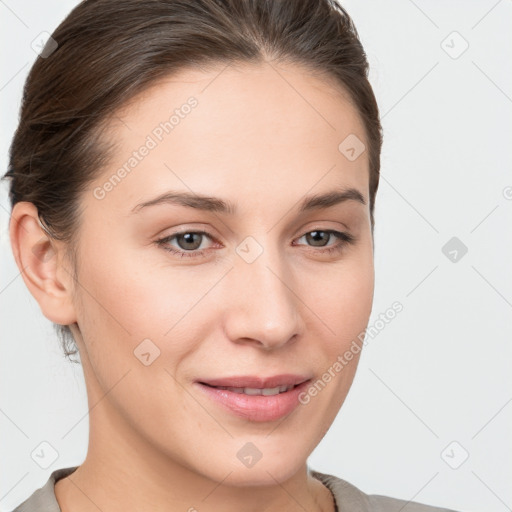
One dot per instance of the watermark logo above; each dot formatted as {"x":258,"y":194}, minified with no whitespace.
{"x":454,"y":249}
{"x":44,"y":45}
{"x":146,"y":352}
{"x":454,"y":45}
{"x":249,"y":455}
{"x":352,"y":147}
{"x":44,"y":455}
{"x":249,"y":249}
{"x":455,"y":455}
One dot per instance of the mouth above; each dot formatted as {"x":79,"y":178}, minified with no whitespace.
{"x":254,"y":398}
{"x":256,"y":391}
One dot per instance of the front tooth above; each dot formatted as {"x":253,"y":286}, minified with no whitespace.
{"x":258,"y":391}
{"x":236,"y":390}
{"x":252,"y":391}
{"x":272,"y":391}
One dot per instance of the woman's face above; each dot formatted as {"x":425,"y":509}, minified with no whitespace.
{"x":255,"y":284}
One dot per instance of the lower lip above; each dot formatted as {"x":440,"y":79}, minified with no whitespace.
{"x":256,"y":407}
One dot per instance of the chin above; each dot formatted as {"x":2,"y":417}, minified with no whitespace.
{"x":261,"y":462}
{"x":261,"y":475}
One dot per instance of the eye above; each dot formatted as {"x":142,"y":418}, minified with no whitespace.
{"x":187,"y":243}
{"x":318,"y":236}
{"x":190,"y":241}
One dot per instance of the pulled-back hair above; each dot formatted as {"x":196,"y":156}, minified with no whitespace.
{"x":107,"y":51}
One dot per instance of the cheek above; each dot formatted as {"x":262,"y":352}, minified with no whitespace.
{"x":133,"y":307}
{"x":140,"y":297}
{"x":343,"y":296}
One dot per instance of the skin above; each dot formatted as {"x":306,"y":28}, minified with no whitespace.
{"x":263,"y":137}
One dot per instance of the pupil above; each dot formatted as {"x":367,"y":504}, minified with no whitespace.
{"x":315,"y":235}
{"x":189,"y":239}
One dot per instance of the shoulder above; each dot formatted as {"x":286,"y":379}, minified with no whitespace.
{"x":43,"y":499}
{"x":349,"y":497}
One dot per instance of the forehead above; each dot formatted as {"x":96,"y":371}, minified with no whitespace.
{"x":251,"y":128}
{"x":246,"y":96}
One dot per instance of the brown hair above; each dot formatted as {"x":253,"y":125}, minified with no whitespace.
{"x":107,"y":51}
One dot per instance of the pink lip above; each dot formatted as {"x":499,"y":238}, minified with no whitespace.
{"x":256,"y":407}
{"x":252,"y":381}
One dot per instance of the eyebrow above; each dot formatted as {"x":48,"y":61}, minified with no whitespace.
{"x":218,"y":205}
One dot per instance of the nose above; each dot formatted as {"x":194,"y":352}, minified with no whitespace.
{"x":263,"y":308}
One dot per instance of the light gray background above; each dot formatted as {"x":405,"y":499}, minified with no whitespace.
{"x":440,"y":371}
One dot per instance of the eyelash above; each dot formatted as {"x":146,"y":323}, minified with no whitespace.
{"x":344,"y":239}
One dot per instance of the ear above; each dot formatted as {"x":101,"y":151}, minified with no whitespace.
{"x":41,"y":260}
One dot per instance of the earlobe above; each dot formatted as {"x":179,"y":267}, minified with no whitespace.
{"x":40,"y":259}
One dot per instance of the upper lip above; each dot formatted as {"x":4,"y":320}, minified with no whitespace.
{"x":252,"y":381}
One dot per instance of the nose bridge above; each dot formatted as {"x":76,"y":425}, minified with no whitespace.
{"x":263,"y":307}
